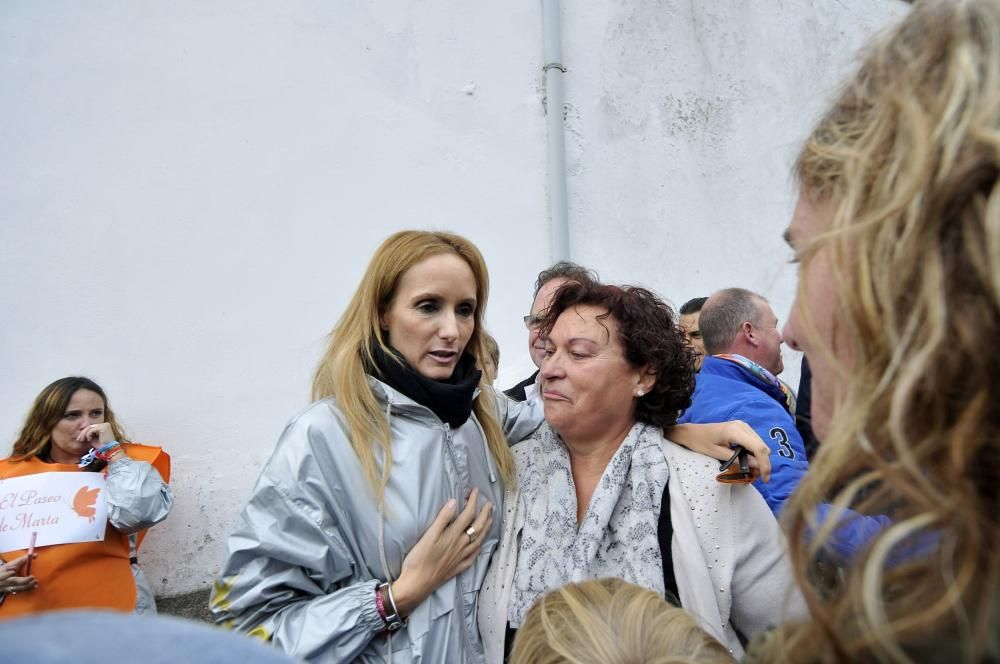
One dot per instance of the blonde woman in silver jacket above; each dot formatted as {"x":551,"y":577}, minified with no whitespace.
{"x":369,"y":532}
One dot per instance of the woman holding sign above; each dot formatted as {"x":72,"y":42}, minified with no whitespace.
{"x":71,"y":429}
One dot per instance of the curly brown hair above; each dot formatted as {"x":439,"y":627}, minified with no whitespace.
{"x":650,"y":337}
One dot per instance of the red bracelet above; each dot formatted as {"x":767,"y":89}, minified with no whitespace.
{"x":380,"y":605}
{"x":105,"y":452}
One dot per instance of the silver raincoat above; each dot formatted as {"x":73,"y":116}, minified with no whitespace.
{"x":138,"y":498}
{"x":145,"y":600}
{"x":307,"y":551}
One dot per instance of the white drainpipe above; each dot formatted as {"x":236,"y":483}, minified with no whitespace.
{"x":554,"y":70}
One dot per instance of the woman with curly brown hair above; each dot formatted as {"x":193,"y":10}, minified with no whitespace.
{"x":897,"y":230}
{"x":602,"y":493}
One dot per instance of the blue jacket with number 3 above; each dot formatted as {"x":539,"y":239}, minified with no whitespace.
{"x":726,"y":391}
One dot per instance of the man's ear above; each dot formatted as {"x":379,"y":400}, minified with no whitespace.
{"x":749,"y":333}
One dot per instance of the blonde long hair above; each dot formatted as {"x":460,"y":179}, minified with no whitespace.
{"x":609,"y":621}
{"x":341,"y":372}
{"x":907,"y":161}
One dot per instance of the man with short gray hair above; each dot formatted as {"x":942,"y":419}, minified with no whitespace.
{"x":738,"y":381}
{"x":740,"y":322}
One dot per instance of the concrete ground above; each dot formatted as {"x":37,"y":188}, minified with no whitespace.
{"x":193,"y":606}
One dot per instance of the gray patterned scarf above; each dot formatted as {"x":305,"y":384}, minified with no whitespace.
{"x":618,"y":534}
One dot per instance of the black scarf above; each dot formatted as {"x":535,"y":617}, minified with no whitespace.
{"x":450,"y":400}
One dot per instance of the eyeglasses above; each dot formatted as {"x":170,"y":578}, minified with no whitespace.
{"x":741,"y":474}
{"x":531,"y":322}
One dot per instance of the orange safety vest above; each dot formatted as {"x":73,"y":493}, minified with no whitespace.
{"x":84,"y":574}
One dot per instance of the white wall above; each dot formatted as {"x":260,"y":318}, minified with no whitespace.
{"x":190,"y":191}
{"x":685,"y":118}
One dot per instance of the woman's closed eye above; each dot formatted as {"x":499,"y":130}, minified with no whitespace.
{"x":581,"y":349}
{"x":575,"y":354}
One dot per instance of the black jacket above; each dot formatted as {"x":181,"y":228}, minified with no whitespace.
{"x":517,"y":392}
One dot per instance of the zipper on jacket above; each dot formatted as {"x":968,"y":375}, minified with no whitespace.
{"x":458,"y":577}
{"x":454,"y":465}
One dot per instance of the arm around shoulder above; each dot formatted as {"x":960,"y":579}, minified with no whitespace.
{"x":717,"y":439}
{"x":519,"y":419}
{"x":788,"y":458}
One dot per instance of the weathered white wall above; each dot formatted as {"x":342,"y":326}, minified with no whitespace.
{"x":683,"y":120}
{"x":190,"y":191}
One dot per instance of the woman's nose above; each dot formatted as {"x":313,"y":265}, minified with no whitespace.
{"x":449,"y":327}
{"x":551,"y":366}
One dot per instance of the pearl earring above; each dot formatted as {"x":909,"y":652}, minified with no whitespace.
{"x":639,"y":393}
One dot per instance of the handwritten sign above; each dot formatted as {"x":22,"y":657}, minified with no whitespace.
{"x":60,"y":507}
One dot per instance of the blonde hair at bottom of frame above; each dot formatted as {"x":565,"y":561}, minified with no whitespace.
{"x":609,"y":621}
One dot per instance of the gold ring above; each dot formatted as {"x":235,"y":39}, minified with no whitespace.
{"x":471,"y":532}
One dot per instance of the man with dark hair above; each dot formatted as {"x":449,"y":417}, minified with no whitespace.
{"x":689,"y":314}
{"x":548,"y":282}
{"x":738,"y":381}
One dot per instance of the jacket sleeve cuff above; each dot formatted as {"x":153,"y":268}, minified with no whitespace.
{"x":369,"y":609}
{"x":338,"y":626}
{"x":361,"y":599}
